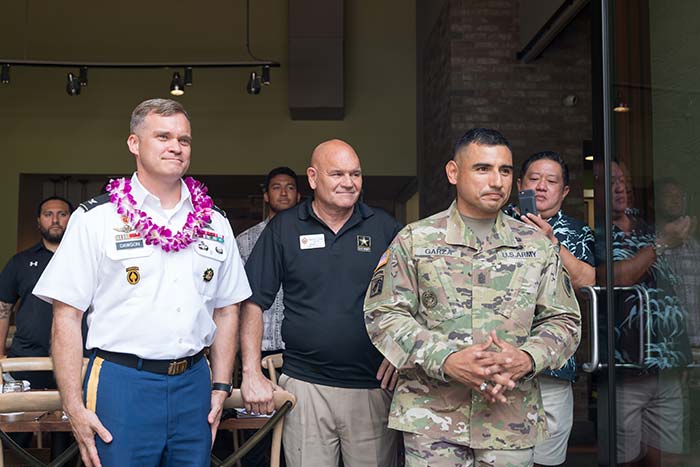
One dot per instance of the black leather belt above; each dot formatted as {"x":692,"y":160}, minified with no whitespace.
{"x":161,"y":367}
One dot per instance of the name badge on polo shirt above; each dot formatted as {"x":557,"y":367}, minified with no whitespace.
{"x":312,"y":241}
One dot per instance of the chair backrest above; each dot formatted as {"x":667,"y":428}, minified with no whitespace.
{"x":32,"y":401}
{"x":271,"y":363}
{"x":284,"y":402}
{"x":32,"y":364}
{"x":28,"y":401}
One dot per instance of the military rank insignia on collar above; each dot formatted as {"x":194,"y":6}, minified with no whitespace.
{"x":132,"y":275}
{"x":364,"y":243}
{"x":208,"y":275}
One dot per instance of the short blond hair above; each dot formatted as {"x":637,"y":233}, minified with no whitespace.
{"x":164,"y":107}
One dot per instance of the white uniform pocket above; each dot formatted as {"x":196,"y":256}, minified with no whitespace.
{"x":206,"y":265}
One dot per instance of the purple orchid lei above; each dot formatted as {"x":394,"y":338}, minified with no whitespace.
{"x":154,"y":234}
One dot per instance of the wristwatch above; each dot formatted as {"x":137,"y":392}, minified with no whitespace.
{"x":659,"y":248}
{"x":227,"y":388}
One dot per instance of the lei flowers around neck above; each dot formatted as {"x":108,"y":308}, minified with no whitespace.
{"x":154,"y":234}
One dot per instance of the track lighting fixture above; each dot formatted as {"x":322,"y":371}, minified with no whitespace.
{"x":188,"y":76}
{"x":83,"y":78}
{"x":253,"y":86}
{"x":176,"y":86}
{"x":72,"y":85}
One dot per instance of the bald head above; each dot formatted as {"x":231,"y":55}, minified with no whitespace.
{"x":335,"y":175}
{"x":332,"y":149}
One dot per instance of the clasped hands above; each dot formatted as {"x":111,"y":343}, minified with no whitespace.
{"x":489,"y":372}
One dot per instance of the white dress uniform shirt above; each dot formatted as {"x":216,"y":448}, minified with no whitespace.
{"x":142,"y":300}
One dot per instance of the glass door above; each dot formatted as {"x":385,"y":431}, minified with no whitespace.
{"x":644,"y":318}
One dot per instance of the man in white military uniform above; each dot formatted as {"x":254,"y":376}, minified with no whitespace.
{"x":155,"y":264}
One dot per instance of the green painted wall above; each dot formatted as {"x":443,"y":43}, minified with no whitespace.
{"x":43,"y":130}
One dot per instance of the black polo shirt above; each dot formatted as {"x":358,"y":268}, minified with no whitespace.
{"x":324,"y":277}
{"x":34,"y":315}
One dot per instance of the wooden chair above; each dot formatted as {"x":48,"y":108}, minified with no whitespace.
{"x":270,"y":363}
{"x":284,"y":402}
{"x":43,"y":402}
{"x":48,"y":402}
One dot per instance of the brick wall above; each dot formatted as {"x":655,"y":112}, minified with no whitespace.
{"x":487,"y":86}
{"x":434,"y":189}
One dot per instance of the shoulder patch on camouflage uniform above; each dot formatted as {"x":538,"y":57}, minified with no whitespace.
{"x":429,"y":299}
{"x":568,"y":289}
{"x":94,"y":202}
{"x":384,"y":259}
{"x":219,"y":210}
{"x":376,"y":285}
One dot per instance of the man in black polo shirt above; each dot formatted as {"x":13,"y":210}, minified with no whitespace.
{"x":21,"y":273}
{"x":323,"y":253}
{"x":34,"y":316}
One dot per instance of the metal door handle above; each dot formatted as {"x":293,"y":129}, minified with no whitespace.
{"x":644,"y":322}
{"x":644,"y":326}
{"x":593,"y":365}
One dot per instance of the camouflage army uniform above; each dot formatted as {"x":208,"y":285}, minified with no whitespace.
{"x":438,"y":290}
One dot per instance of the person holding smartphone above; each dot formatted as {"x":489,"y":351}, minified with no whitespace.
{"x":683,"y":256}
{"x":547,"y":175}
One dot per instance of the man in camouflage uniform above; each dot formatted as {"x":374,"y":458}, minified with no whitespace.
{"x":470,"y":305}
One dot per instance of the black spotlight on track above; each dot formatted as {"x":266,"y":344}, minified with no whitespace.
{"x":253,"y":86}
{"x":188,"y":76}
{"x":72,"y":85}
{"x":5,"y":74}
{"x":83,"y":78}
{"x":176,"y":87}
{"x":265,"y":76}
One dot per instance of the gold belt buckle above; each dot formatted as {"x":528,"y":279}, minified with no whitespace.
{"x":175,"y":368}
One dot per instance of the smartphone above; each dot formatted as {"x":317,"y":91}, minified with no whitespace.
{"x":527,"y":202}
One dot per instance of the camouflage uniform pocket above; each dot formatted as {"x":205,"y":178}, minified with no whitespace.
{"x":438,"y":298}
{"x":506,"y":281}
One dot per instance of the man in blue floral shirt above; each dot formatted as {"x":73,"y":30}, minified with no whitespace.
{"x":548,"y":175}
{"x":650,"y":392}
